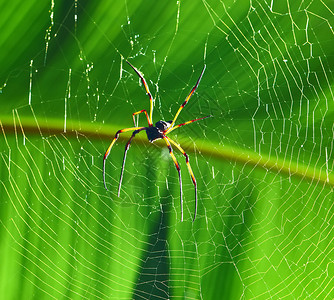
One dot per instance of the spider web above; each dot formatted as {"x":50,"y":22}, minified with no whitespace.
{"x":263,"y":163}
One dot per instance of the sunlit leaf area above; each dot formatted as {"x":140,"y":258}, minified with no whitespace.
{"x":262,"y":161}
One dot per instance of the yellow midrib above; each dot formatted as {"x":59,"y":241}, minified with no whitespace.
{"x":27,"y":125}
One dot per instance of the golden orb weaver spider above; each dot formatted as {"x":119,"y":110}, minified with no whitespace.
{"x":158,"y":131}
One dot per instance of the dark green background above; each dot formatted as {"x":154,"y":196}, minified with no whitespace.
{"x":263,"y":163}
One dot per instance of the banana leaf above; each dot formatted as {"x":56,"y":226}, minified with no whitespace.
{"x":263,"y":160}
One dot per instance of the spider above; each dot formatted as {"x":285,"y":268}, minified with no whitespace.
{"x":155,"y":132}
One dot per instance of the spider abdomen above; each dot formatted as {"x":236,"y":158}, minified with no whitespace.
{"x":153,"y":133}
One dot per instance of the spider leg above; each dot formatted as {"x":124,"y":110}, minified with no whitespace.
{"x":178,"y":170}
{"x":186,"y":123}
{"x":147,"y":91}
{"x":109,"y":148}
{"x":190,"y":172}
{"x":187,"y":99}
{"x":139,"y":112}
{"x":127,"y":146}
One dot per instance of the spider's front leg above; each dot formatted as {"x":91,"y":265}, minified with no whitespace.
{"x":149,"y":118}
{"x":186,"y":101}
{"x":139,"y":112}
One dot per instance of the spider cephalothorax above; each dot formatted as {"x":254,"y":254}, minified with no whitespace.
{"x":159,"y":131}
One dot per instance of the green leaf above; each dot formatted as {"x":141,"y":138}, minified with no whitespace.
{"x":263,"y":162}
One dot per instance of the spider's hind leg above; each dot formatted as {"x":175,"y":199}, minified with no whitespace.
{"x":190,"y":171}
{"x":178,"y":170}
{"x":127,"y":146}
{"x":109,"y":148}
